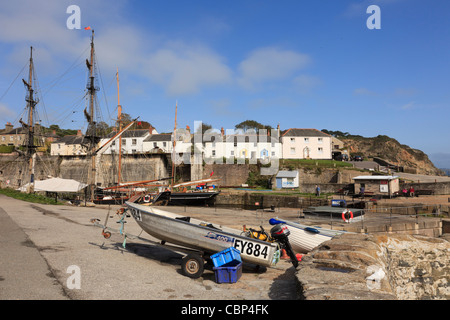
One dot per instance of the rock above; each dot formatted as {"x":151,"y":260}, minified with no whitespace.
{"x":376,"y":267}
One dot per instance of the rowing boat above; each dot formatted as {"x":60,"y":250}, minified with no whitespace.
{"x":200,"y":235}
{"x":305,"y":238}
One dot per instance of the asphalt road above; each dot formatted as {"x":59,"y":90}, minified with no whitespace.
{"x":54,"y":252}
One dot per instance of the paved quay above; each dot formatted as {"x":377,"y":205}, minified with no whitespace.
{"x":54,"y":252}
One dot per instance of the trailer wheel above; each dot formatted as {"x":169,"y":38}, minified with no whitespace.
{"x":192,"y":266}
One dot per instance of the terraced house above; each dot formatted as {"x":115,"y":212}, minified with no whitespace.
{"x":306,"y":144}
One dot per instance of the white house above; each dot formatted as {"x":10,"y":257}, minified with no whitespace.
{"x":306,"y":144}
{"x":68,"y":146}
{"x":132,"y":141}
{"x":249,"y":145}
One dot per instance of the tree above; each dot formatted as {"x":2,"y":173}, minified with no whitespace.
{"x":203,"y":128}
{"x":252,"y":124}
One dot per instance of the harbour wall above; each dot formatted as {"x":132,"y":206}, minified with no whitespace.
{"x":13,"y":171}
{"x":376,"y":267}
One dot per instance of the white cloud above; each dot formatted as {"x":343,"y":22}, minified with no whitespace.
{"x":363,"y":92}
{"x":268,"y":64}
{"x":408,"y":106}
{"x":185,"y":69}
{"x":305,"y":83}
{"x":6,"y":113}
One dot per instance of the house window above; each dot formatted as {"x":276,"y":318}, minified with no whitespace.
{"x":11,"y":138}
{"x":255,"y":144}
{"x":155,"y":145}
{"x":133,"y":142}
{"x":273,"y":144}
{"x":320,"y":140}
{"x":273,"y":153}
{"x":320,"y":150}
{"x":253,"y":155}
{"x":306,"y":140}
{"x":164,"y":144}
{"x":232,"y":153}
{"x":292,"y":150}
{"x":124,"y":142}
{"x":292,"y":139}
{"x":113,"y":143}
{"x":235,"y":143}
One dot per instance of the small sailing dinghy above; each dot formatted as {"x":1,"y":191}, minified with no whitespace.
{"x":305,"y":238}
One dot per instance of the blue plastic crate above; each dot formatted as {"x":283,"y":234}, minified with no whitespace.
{"x":226,"y":257}
{"x":230,"y":274}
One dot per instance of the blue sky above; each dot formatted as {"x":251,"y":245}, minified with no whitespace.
{"x":300,"y":64}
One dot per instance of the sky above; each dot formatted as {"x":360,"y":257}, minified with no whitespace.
{"x":299,"y":64}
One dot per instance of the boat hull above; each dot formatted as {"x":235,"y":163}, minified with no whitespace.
{"x":192,"y":198}
{"x":187,"y":232}
{"x":303,"y":238}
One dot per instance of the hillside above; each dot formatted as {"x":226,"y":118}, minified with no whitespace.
{"x":389,"y":149}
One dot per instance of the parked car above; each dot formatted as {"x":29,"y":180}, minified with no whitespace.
{"x":357,"y":158}
{"x":342,"y":157}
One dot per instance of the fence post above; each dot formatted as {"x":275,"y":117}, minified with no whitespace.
{"x":390,"y":217}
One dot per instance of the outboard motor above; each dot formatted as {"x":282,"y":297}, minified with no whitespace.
{"x":280,"y":233}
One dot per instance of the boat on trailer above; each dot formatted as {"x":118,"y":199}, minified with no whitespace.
{"x":202,"y":236}
{"x":304,"y":238}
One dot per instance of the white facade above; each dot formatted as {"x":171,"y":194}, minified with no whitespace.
{"x":250,"y":146}
{"x":68,"y":146}
{"x":132,"y":142}
{"x":306,"y":144}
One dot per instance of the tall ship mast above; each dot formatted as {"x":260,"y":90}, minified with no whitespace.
{"x":29,"y":143}
{"x":91,"y":138}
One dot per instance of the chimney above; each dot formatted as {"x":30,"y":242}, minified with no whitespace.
{"x":150,"y":129}
{"x":8,"y":127}
{"x":188,"y":129}
{"x":222,"y":132}
{"x":79,"y":134}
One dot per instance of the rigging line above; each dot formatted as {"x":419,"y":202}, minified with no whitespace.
{"x":39,"y":94}
{"x":64,"y":114}
{"x":59,"y":82}
{"x":73,"y":65}
{"x":101,"y":81}
{"x":4,"y":94}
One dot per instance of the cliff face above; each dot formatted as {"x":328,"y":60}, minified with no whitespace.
{"x":376,"y":267}
{"x":413,"y":160}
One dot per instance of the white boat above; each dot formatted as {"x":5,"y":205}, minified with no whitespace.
{"x":305,"y":238}
{"x":202,"y":236}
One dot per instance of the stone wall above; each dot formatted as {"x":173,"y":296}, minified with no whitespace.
{"x":377,"y":267}
{"x":134,"y":168}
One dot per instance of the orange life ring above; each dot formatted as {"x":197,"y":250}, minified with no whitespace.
{"x":147,"y":198}
{"x":344,"y":213}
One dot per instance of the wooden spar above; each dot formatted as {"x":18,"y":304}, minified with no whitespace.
{"x":91,"y":120}
{"x":174,"y":144}
{"x":119,"y":120}
{"x":31,"y":103}
{"x":117,"y":135}
{"x":134,"y":184}
{"x":190,"y":183}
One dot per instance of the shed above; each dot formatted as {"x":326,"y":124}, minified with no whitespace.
{"x":287,"y":179}
{"x":378,"y":185}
